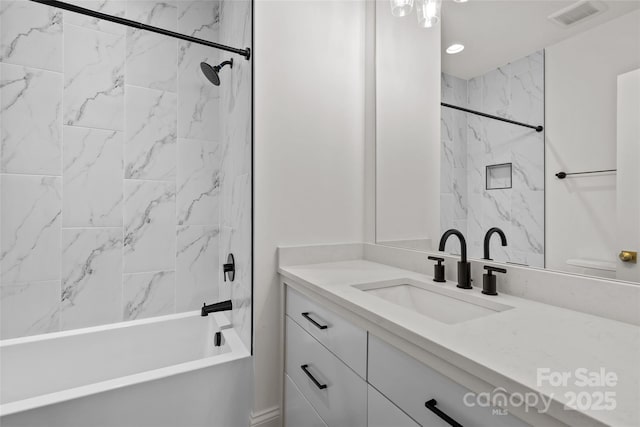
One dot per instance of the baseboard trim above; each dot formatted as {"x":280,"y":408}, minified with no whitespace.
{"x":269,"y":417}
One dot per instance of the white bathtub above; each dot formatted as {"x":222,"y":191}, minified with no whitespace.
{"x":163,"y":371}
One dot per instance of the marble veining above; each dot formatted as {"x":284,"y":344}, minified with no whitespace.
{"x":150,"y":134}
{"x":154,"y":161}
{"x":196,"y":269}
{"x":453,"y":172}
{"x":149,"y":219}
{"x":31,"y":35}
{"x":30,"y":229}
{"x":91,"y":264}
{"x":30,"y":115}
{"x":198,"y":104}
{"x":496,"y":91}
{"x":152,"y":60}
{"x":151,"y":57}
{"x":236,"y":178}
{"x":110,"y":7}
{"x":92,"y":178}
{"x":198,"y":182}
{"x":93,"y":78}
{"x":470,"y":143}
{"x":198,"y":109}
{"x":199,"y":18}
{"x":148,"y":294}
{"x":29,"y":308}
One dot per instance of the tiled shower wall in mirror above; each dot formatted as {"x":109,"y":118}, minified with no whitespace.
{"x":125,"y":174}
{"x":470,"y":143}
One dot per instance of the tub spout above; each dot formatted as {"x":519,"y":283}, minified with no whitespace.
{"x":219,"y":306}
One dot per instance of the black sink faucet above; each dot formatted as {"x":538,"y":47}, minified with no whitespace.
{"x":464,"y":268}
{"x":487,"y":240}
{"x":219,"y":306}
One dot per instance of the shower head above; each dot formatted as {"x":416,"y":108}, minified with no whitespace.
{"x":211,"y":73}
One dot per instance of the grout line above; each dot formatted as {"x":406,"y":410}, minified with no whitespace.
{"x":162,"y":181}
{"x":167,"y":270}
{"x":83,"y":27}
{"x":106,"y":227}
{"x":13,"y":64}
{"x":30,"y":175}
{"x":92,"y":127}
{"x":173,"y":92}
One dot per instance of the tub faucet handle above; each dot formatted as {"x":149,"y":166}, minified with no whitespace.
{"x":229,"y":269}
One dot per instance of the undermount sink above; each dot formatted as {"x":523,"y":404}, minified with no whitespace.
{"x":442,"y":304}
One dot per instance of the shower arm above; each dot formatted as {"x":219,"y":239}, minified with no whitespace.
{"x":246,"y":53}
{"x":222,"y":64}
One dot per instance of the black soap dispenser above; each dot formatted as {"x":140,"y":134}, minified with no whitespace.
{"x":489,"y":280}
{"x":438,"y":270}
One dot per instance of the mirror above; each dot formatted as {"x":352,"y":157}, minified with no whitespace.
{"x":538,"y":132}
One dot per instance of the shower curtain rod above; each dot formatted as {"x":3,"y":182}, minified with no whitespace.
{"x":502,"y":119}
{"x":129,"y":23}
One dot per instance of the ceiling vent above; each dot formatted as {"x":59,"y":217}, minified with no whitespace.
{"x":577,"y":12}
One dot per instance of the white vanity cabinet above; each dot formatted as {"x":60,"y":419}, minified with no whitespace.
{"x":411,"y":384}
{"x":334,"y":390}
{"x":325,"y":359}
{"x":298,"y":411}
{"x":340,"y":337}
{"x":381,"y":412}
{"x":339,"y":375}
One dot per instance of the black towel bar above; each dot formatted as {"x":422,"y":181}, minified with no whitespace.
{"x":563,"y":175}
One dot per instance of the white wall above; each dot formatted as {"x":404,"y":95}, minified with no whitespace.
{"x":309,"y":149}
{"x":408,"y":128}
{"x":580,"y":114}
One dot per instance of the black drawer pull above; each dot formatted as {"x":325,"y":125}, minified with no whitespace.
{"x":431,"y":405}
{"x":315,"y":381}
{"x":316,"y":324}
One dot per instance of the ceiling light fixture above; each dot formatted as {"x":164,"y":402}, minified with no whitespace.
{"x":401,"y":8}
{"x":460,"y":1}
{"x":455,"y":48}
{"x":428,"y":12}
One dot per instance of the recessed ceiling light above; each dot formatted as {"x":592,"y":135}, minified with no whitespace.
{"x":460,"y":1}
{"x":455,"y":48}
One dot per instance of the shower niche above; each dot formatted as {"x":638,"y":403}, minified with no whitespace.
{"x":499,"y":177}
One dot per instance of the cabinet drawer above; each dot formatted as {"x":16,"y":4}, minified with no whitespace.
{"x":343,"y":339}
{"x":297,"y":411}
{"x":337,"y":393}
{"x":383,"y":413}
{"x":410,"y":384}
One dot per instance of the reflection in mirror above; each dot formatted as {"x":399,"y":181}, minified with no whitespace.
{"x":533,"y":123}
{"x":492,"y":172}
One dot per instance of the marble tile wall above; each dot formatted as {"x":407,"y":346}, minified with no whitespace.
{"x":515,"y":91}
{"x":236,"y":166}
{"x":453,"y":159}
{"x":121,"y":185}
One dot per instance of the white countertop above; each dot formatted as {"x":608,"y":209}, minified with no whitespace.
{"x":509,"y":345}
